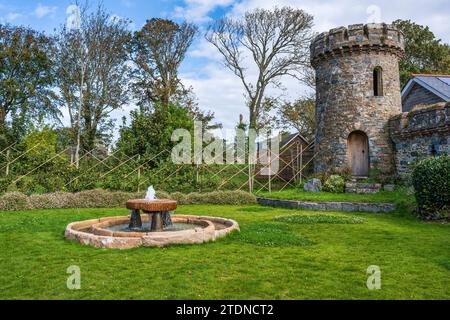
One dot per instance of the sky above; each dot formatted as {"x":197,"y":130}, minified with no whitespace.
{"x":216,"y":88}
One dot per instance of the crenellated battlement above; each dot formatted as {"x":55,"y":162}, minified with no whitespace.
{"x":357,"y":38}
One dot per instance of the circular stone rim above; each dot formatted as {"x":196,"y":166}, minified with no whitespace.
{"x":101,"y":228}
{"x":76,"y":231}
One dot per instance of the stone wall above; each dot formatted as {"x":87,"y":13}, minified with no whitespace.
{"x":423,"y":132}
{"x":328,"y":206}
{"x":345,"y":59}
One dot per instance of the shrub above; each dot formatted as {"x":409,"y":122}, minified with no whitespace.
{"x":181,"y":198}
{"x":334,"y":184}
{"x":225,"y":197}
{"x":4,"y":183}
{"x":57,"y":200}
{"x":323,"y":177}
{"x":102,"y":199}
{"x":431,"y":181}
{"x":13,"y":201}
{"x":162,"y":195}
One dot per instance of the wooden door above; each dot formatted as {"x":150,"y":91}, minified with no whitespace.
{"x":358,"y":145}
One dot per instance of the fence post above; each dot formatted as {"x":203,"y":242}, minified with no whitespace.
{"x":297,"y":163}
{"x":139,"y":174}
{"x":301,"y":163}
{"x":270,"y":170}
{"x":7,"y":162}
{"x":197,"y":177}
{"x":249,"y":178}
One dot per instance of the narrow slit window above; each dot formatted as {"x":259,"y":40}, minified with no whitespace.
{"x":378,"y":82}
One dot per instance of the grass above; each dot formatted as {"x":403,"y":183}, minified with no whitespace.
{"x":270,"y":235}
{"x":267,"y":260}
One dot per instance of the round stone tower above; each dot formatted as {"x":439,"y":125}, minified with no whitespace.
{"x":358,"y":90}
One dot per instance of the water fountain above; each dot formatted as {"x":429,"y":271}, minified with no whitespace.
{"x":159,"y":211}
{"x":150,"y":224}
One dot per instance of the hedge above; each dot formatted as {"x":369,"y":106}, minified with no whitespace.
{"x":16,"y":201}
{"x":431,"y":181}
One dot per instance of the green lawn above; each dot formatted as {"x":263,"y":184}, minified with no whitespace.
{"x":324,"y":257}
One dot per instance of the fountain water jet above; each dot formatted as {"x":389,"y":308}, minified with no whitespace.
{"x":158,"y":211}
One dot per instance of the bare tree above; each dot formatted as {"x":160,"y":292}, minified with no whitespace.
{"x":92,"y":71}
{"x":70,"y":70}
{"x":276,"y":40}
{"x":159,"y":48}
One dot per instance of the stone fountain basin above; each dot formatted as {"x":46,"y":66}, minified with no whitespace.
{"x":157,"y":205}
{"x":95,"y":232}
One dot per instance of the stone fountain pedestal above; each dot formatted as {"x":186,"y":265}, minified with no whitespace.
{"x":158,"y":210}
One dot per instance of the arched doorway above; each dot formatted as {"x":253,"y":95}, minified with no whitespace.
{"x":358,"y":148}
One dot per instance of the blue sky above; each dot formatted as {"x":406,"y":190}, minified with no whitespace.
{"x":216,"y":88}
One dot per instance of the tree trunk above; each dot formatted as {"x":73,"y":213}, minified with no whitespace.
{"x":80,"y":109}
{"x":252,"y":116}
{"x":165,"y":99}
{"x":2,"y":116}
{"x":90,"y":135}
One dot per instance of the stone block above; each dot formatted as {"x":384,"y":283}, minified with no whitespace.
{"x":333,"y":206}
{"x":349,"y":207}
{"x":313,"y":185}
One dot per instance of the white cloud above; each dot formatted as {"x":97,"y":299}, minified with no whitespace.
{"x":220,"y":92}
{"x":330,"y":14}
{"x":198,"y":10}
{"x":41,"y":11}
{"x":204,"y":49}
{"x":12,"y":16}
{"x":73,"y":17}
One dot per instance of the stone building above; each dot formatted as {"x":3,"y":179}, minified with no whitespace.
{"x":425,"y":89}
{"x":358,"y":91}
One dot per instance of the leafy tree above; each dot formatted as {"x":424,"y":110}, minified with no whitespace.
{"x":42,"y":166}
{"x":277,"y":41}
{"x":25,"y":73}
{"x":424,"y":52}
{"x":159,"y":48}
{"x":301,"y":115}
{"x":41,"y":143}
{"x":150,"y":130}
{"x":158,"y":51}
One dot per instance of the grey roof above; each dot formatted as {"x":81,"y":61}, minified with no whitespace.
{"x":285,"y":141}
{"x":437,"y":84}
{"x":288,"y":138}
